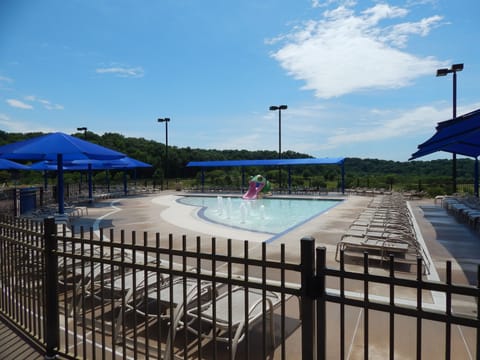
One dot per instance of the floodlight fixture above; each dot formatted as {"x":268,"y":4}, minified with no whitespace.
{"x":84,"y":129}
{"x":442,"y":72}
{"x":453,"y":69}
{"x":457,"y":67}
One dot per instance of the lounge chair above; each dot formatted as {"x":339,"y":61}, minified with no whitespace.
{"x":169,"y":302}
{"x":126,"y":290}
{"x":230,"y":310}
{"x":91,"y":278}
{"x":382,"y":246}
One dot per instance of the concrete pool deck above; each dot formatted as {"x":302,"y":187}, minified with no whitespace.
{"x":161,"y":213}
{"x":445,"y":238}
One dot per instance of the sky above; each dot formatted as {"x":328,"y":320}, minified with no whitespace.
{"x":358,"y":77}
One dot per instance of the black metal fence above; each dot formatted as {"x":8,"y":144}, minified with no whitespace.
{"x":118,"y":296}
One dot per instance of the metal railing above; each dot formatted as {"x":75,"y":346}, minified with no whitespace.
{"x":118,"y":296}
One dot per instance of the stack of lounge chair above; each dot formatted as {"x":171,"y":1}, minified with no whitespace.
{"x":384,"y":229}
{"x":465,"y":208}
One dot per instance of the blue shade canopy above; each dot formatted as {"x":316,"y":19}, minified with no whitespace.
{"x":47,"y":147}
{"x":46,"y":165}
{"x":269,"y":162}
{"x":460,"y":136}
{"x":12,"y":165}
{"x":79,"y":165}
{"x":57,"y":147}
{"x":119,"y":164}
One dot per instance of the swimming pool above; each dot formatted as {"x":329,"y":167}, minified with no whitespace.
{"x":268,"y":215}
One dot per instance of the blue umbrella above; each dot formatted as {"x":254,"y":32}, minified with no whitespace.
{"x":58,"y":147}
{"x":118,"y":164}
{"x":92,"y":164}
{"x":47,"y":147}
{"x":123,"y":163}
{"x":12,"y":165}
{"x":77,"y":165}
{"x":46,"y":165}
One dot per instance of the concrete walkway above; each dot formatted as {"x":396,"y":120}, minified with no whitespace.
{"x":14,"y":346}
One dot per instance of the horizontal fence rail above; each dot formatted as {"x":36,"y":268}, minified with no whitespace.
{"x":118,"y":295}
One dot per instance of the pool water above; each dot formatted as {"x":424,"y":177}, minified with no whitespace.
{"x":267,"y":215}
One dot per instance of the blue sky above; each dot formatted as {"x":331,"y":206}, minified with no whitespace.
{"x":358,"y":76}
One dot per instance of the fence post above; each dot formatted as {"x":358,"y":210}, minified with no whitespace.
{"x":321,"y":254}
{"x":307,"y":255}
{"x":51,"y":282}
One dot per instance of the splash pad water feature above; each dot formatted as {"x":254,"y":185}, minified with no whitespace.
{"x":268,"y":215}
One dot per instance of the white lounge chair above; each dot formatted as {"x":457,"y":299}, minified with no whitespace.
{"x":230,"y":309}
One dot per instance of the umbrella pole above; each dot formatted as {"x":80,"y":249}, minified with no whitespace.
{"x":60,"y":195}
{"x":90,"y":185}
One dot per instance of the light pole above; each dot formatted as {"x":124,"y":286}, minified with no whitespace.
{"x":166,"y":121}
{"x":279,"y":108}
{"x":443,"y":72}
{"x":84,"y":129}
{"x":88,"y":176}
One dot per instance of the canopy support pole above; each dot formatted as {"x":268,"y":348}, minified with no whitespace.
{"x":289,"y":180}
{"x":90,"y":184}
{"x":454,"y":173}
{"x":243,"y":179}
{"x":475,"y":185}
{"x":60,"y":195}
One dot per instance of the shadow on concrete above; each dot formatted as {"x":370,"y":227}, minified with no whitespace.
{"x":457,"y":238}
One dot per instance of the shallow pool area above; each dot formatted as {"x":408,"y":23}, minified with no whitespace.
{"x":267,"y":215}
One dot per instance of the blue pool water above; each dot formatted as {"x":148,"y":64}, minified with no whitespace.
{"x":267,"y":215}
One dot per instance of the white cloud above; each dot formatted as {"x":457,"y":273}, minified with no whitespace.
{"x":398,"y":36}
{"x":247,"y":141}
{"x":404,"y":124}
{"x":346,"y":52}
{"x":49,"y":106}
{"x":5,"y":121}
{"x":325,"y":3}
{"x":121,"y":71}
{"x":19,"y":126}
{"x":5,"y":79}
{"x":45,"y":103}
{"x":19,"y":104}
{"x":389,"y":125}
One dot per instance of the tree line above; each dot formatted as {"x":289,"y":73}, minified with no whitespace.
{"x":433,"y":177}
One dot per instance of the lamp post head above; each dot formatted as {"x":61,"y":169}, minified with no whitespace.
{"x":455,"y":68}
{"x":442,"y":72}
{"x":164,"y":120}
{"x":281,"y":107}
{"x":81,"y":129}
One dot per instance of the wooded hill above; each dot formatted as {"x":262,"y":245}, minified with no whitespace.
{"x":432,"y":176}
